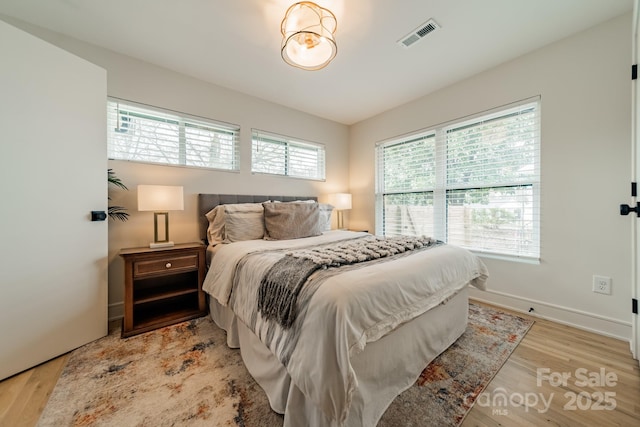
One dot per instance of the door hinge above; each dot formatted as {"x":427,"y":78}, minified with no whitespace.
{"x":626,"y":209}
{"x":634,"y":189}
{"x":634,"y":305}
{"x":634,"y":71}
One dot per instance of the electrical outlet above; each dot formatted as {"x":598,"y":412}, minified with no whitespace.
{"x":602,"y":285}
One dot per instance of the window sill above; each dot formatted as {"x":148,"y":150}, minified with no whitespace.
{"x":503,"y":257}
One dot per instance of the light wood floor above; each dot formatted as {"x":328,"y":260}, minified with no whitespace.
{"x":585,"y":356}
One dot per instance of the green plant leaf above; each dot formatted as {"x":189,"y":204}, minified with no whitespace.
{"x":116,"y":212}
{"x":113,"y":179}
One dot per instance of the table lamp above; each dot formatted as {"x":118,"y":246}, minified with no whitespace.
{"x":340,"y":202}
{"x":160,"y":199}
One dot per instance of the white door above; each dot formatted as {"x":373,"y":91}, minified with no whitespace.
{"x":635,"y":161}
{"x":53,"y":173}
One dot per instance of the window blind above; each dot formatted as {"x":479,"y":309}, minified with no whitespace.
{"x":413,"y":164}
{"x":148,"y":134}
{"x":493,"y":181}
{"x":408,"y":185}
{"x":279,"y":155}
{"x":495,"y":150}
{"x":474,"y":182}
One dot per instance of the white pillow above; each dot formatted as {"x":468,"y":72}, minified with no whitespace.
{"x":325,"y":216}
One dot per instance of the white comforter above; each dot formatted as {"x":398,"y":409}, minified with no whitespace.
{"x":348,"y":311}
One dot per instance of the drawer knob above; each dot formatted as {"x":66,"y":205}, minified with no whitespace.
{"x":168,"y":265}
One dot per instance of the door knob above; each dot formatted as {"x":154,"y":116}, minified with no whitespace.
{"x":98,"y":216}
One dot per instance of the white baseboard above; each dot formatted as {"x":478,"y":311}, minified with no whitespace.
{"x":603,"y":325}
{"x":116,"y":310}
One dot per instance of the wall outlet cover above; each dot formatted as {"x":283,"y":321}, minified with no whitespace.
{"x":602,"y":285}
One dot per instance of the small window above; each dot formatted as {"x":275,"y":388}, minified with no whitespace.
{"x":151,"y":135}
{"x":280,"y":155}
{"x":474,"y":183}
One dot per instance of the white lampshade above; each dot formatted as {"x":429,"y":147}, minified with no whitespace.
{"x":340,"y":201}
{"x":160,"y":198}
{"x":307,"y":36}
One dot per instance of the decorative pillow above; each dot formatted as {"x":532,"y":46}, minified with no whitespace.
{"x":243,"y":221}
{"x":291,"y":220}
{"x":325,"y":216}
{"x":235,"y":222}
{"x":215,"y":231}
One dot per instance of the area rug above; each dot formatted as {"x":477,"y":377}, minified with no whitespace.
{"x":186,"y":375}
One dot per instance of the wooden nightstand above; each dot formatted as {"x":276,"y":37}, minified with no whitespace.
{"x":162,"y":286}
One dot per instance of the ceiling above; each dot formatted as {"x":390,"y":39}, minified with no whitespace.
{"x":236,"y":43}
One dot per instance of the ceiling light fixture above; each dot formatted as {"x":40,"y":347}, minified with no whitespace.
{"x":308,"y":36}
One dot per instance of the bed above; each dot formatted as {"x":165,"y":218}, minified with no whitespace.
{"x":353,"y":337}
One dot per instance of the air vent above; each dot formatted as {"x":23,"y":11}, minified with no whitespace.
{"x":419,"y":33}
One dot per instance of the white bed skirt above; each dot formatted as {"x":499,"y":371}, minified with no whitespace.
{"x":384,"y":369}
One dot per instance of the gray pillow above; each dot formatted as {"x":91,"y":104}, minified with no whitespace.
{"x":293,"y":220}
{"x":243,"y":221}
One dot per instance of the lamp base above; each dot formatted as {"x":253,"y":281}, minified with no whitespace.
{"x":340,"y":220}
{"x":161,"y":245}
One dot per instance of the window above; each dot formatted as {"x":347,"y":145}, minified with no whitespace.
{"x":474,"y":183}
{"x":152,"y":135}
{"x":280,"y":155}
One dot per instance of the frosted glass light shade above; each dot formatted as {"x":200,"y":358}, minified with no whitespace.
{"x":160,"y":198}
{"x":308,"y":36}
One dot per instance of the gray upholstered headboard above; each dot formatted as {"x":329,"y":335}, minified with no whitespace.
{"x":206,"y":202}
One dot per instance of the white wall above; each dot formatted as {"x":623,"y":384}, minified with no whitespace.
{"x":142,"y":82}
{"x":585,"y":86}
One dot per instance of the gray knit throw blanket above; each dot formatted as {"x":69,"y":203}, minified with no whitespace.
{"x":281,"y":285}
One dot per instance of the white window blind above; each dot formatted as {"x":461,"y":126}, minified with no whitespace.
{"x":473,"y":183}
{"x":409,"y":184}
{"x":153,"y":135}
{"x":281,"y":155}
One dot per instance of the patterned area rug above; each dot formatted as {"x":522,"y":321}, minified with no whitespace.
{"x":186,"y":375}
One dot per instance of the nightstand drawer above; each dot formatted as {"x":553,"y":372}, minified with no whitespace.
{"x":165,"y":265}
